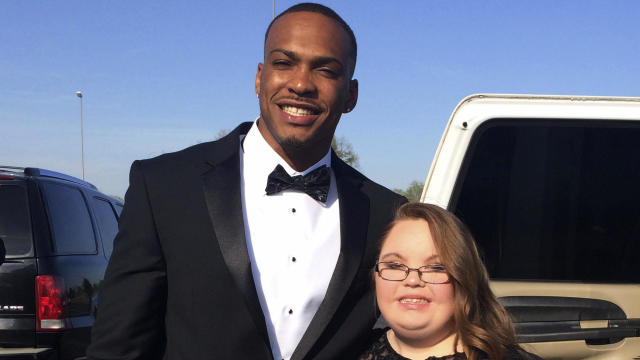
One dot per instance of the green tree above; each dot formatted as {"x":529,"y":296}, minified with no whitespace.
{"x":345,"y":151}
{"x":413,"y":191}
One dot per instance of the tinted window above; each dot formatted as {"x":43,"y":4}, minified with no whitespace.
{"x":15,"y":226}
{"x":69,"y":217}
{"x":554,"y":201}
{"x":107,"y":223}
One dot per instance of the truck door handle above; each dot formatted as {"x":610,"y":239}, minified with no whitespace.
{"x":554,"y":318}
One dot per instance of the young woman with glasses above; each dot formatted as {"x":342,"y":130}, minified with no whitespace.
{"x":433,"y":290}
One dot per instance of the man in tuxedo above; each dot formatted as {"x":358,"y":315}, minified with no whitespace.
{"x":259,"y":245}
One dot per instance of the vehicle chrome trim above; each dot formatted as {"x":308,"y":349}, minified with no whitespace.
{"x":22,"y":351}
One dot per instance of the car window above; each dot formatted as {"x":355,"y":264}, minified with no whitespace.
{"x":70,"y":223}
{"x":119,"y":209}
{"x":15,"y":226}
{"x":554,"y":201}
{"x":107,"y":223}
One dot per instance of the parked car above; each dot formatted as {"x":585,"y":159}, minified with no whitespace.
{"x":549,"y":187}
{"x":57,"y":232}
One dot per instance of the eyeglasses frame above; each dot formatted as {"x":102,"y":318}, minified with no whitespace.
{"x":407,"y":270}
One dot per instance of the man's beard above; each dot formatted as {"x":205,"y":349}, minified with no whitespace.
{"x":293,"y":146}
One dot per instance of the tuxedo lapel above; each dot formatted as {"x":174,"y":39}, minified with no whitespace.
{"x":354,"y":218}
{"x":221,"y":184}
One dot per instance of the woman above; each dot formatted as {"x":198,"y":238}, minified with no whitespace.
{"x":433,"y":290}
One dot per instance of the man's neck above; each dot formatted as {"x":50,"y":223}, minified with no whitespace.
{"x":299,"y":157}
{"x":301,"y":163}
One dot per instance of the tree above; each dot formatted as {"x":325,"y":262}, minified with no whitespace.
{"x":344,"y":150}
{"x":413,"y":191}
{"x":222,"y":133}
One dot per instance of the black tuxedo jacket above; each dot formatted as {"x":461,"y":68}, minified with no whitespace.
{"x":179,"y":283}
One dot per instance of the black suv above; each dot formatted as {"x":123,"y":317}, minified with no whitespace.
{"x":56,"y":236}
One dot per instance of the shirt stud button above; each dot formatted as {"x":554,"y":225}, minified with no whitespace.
{"x":290,"y":311}
{"x":293,"y":210}
{"x":293,"y":259}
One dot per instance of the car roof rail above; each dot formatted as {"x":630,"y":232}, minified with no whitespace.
{"x":56,"y":175}
{"x":11,"y":172}
{"x":12,"y":169}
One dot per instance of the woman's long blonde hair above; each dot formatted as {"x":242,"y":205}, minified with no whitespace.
{"x":482,"y":324}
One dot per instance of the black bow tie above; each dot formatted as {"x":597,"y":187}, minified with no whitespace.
{"x":315,"y":183}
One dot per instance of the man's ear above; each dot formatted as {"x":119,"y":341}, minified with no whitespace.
{"x":258,"y":73}
{"x":353,"y":96}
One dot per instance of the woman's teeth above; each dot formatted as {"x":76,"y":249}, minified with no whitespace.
{"x":413,"y":301}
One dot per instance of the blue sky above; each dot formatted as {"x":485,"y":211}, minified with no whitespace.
{"x":158,"y":76}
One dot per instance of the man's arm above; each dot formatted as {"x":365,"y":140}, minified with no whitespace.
{"x":132,"y":297}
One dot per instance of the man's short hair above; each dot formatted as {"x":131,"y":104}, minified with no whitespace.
{"x":320,"y":9}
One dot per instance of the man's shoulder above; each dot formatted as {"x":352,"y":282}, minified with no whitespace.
{"x":380,"y":192}
{"x":188,"y":154}
{"x":383,"y":193}
{"x":198,"y":154}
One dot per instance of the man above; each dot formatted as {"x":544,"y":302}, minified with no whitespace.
{"x":218,"y":258}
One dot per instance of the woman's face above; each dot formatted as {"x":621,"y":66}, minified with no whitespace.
{"x":414,"y":309}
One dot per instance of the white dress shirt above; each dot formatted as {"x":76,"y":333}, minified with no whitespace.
{"x":293,"y":242}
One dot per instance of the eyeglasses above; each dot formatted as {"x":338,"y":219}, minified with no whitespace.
{"x":392,"y":271}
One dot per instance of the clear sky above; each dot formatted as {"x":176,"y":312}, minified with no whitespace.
{"x":158,"y":76}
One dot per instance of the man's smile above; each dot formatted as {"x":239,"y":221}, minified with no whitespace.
{"x":297,"y":111}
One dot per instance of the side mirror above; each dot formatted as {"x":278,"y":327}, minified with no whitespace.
{"x":3,"y":252}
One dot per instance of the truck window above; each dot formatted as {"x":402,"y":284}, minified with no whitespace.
{"x":15,"y":226}
{"x":554,"y":200}
{"x":107,"y":223}
{"x":71,"y":226}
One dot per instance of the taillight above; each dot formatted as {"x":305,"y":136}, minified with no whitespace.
{"x":49,"y":302}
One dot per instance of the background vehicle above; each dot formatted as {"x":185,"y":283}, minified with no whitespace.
{"x":58,"y":233}
{"x":548,"y":185}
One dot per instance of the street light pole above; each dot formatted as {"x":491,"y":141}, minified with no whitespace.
{"x":79,"y":95}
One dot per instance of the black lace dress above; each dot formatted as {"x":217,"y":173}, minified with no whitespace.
{"x":380,"y":349}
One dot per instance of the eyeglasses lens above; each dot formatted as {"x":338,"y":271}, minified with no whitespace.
{"x":398,"y":272}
